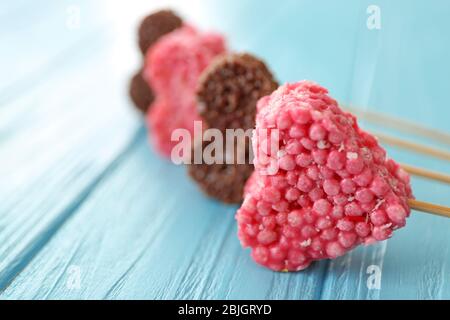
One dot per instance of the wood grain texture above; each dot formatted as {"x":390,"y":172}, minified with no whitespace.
{"x":133,"y":238}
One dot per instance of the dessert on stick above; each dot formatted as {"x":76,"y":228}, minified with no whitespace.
{"x":227,"y":94}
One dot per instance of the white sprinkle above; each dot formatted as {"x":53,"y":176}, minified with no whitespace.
{"x":352,"y":155}
{"x":350,"y":199}
{"x":341,"y":147}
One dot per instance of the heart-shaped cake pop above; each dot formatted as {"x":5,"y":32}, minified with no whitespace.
{"x":321,"y":186}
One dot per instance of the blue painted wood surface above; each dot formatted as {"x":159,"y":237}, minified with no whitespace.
{"x":88,"y":210}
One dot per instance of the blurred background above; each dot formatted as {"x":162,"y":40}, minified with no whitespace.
{"x":67,"y":126}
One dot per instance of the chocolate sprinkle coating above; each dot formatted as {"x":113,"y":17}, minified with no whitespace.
{"x":156,"y":25}
{"x":140,"y":92}
{"x":224,"y":182}
{"x":230,"y":88}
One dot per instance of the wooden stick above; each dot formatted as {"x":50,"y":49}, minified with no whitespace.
{"x":429,"y":208}
{"x":433,"y":175}
{"x":442,"y":154}
{"x":400,"y":124}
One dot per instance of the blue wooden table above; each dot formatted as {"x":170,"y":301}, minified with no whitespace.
{"x":88,"y":210}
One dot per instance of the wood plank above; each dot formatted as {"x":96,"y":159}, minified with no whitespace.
{"x":140,"y":236}
{"x":41,"y":41}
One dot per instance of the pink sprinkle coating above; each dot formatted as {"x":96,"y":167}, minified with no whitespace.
{"x":172,"y":67}
{"x":334,"y":188}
